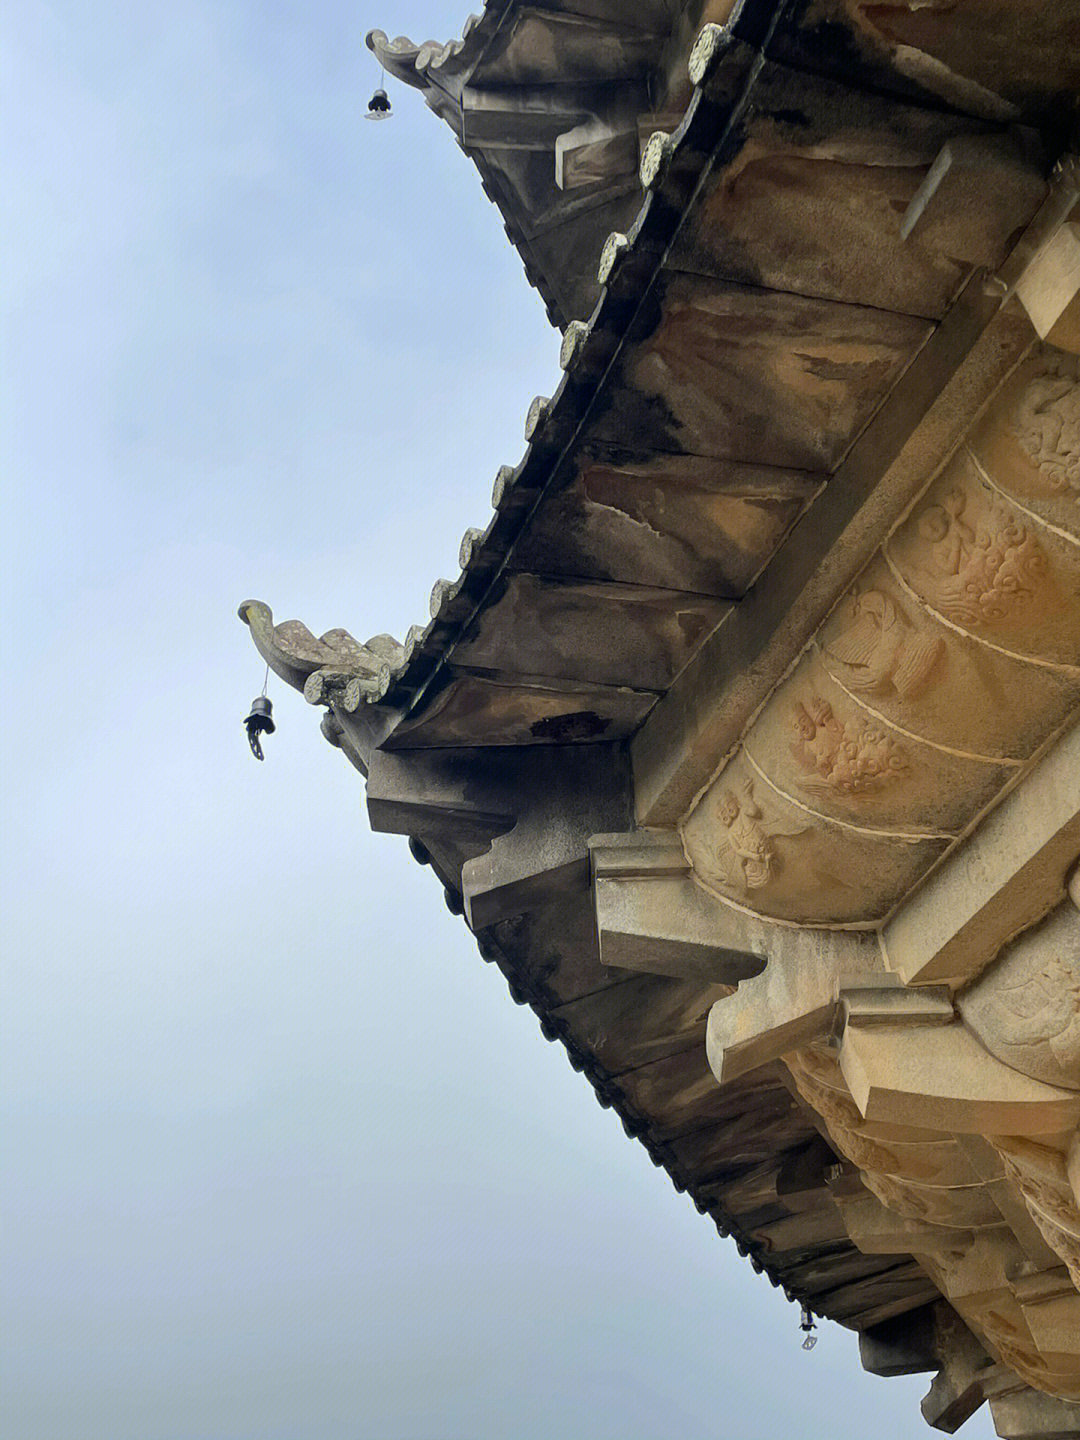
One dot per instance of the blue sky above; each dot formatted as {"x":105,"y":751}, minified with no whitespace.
{"x":283,"y":1161}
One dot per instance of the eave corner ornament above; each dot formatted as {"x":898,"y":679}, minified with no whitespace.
{"x":328,"y":669}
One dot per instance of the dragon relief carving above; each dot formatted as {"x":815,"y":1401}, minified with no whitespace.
{"x":881,"y":651}
{"x":1046,"y":421}
{"x":843,"y":758}
{"x":979,"y":569}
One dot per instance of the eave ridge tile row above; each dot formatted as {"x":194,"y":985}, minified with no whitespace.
{"x":723,"y":67}
{"x":636,"y":1127}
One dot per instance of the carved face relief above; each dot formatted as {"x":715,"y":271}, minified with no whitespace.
{"x":844,"y":758}
{"x":979,"y":563}
{"x":1046,"y":422}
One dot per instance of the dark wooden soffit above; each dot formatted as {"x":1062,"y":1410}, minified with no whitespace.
{"x":787,"y":275}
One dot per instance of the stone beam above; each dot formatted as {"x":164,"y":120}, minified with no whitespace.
{"x":689,"y":734}
{"x":1029,"y":1415}
{"x":1009,"y":873}
{"x":939,"y":1077}
{"x":794,"y":1001}
{"x":525,"y":813}
{"x":432,"y":792}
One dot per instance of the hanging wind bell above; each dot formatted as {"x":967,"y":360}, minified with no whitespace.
{"x":379,"y":107}
{"x":807,"y":1325}
{"x":260,"y":720}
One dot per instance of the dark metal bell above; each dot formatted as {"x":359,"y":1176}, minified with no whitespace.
{"x":259,"y":722}
{"x":379,"y":105}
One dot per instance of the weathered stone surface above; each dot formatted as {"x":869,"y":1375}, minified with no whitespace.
{"x":1028,"y":1415}
{"x":722,"y":355}
{"x":473,"y":710}
{"x":789,"y":574}
{"x":633,"y":635}
{"x":679,"y":522}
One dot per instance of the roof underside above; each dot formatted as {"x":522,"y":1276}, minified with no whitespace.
{"x":762,"y":311}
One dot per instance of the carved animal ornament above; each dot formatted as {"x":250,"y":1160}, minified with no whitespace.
{"x":881,"y":652}
{"x":1046,"y":422}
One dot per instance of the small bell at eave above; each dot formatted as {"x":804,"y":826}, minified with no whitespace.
{"x":259,"y":722}
{"x":379,"y":107}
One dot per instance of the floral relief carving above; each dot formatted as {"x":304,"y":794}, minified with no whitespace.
{"x":880,"y":651}
{"x":849,"y":758}
{"x":1046,"y":422}
{"x":979,"y":567}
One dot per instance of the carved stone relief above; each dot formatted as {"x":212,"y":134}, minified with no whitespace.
{"x":966,"y":695}
{"x":991,"y":569}
{"x":749,"y":842}
{"x":1046,"y":421}
{"x":849,"y":758}
{"x":948,"y":1215}
{"x":1040,"y":1170}
{"x":832,"y":751}
{"x":1026,"y":1007}
{"x":745,"y":856}
{"x":330,"y":667}
{"x":879,"y":651}
{"x":979,"y":565}
{"x":1033,"y":456}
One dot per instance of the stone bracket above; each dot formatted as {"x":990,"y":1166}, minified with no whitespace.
{"x":1007,"y":875}
{"x":939,"y":1077}
{"x":429,"y":792}
{"x":652,"y":916}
